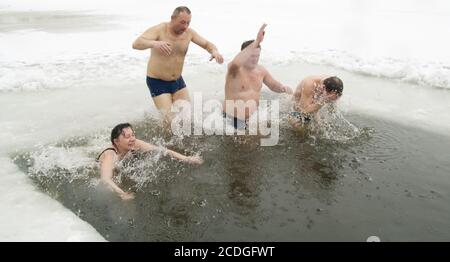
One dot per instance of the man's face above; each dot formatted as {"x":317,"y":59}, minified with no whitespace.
{"x":254,"y":57}
{"x":180,"y":22}
{"x":332,"y":95}
{"x":126,"y":140}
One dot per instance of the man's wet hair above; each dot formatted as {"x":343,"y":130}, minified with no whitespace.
{"x":181,"y":9}
{"x":117,"y":130}
{"x":334,"y":84}
{"x":247,"y":43}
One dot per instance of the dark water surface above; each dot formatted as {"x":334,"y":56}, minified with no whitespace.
{"x":390,"y":181}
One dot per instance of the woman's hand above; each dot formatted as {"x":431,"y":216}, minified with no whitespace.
{"x":126,"y":196}
{"x":194,"y":160}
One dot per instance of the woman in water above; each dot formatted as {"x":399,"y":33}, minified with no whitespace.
{"x":123,"y":142}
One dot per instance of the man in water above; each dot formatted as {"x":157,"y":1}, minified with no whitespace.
{"x":244,"y":81}
{"x":311,"y":94}
{"x":124,"y":143}
{"x":169,"y":44}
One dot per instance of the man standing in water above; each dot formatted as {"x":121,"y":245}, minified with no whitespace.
{"x":311,"y":94}
{"x":169,"y":43}
{"x":244,"y":81}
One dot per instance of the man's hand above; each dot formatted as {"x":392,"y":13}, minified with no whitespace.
{"x":217,"y":56}
{"x":194,"y":160}
{"x":163,"y":48}
{"x":287,"y":90}
{"x":328,"y":98}
{"x":260,"y":36}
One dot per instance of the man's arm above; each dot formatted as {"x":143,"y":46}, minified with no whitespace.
{"x":149,"y":39}
{"x":306,"y":89}
{"x":298,"y":93}
{"x":317,"y":105}
{"x":106,"y":173}
{"x":274,"y":85}
{"x":312,"y":108}
{"x":208,"y":46}
{"x":245,"y":54}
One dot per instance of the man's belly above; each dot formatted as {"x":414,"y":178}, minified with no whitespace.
{"x":167,"y":71}
{"x":241,"y":107}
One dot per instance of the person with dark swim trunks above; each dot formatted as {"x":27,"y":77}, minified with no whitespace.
{"x":311,"y":94}
{"x":244,"y":80}
{"x":169,"y":44}
{"x":158,"y":87}
{"x":124,"y":142}
{"x":236,"y":122}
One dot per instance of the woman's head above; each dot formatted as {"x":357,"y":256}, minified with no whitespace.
{"x":122,"y":137}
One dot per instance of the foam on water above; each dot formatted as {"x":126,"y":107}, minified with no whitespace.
{"x":426,"y":73}
{"x":74,"y":160}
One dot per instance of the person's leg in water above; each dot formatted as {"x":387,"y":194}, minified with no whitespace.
{"x":163,"y":103}
{"x":182,"y":95}
{"x":164,"y":94}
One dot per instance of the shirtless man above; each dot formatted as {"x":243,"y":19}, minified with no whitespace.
{"x":244,"y":81}
{"x":169,"y":44}
{"x":311,"y":94}
{"x":124,"y":142}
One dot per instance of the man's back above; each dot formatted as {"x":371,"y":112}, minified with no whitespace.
{"x":306,"y":93}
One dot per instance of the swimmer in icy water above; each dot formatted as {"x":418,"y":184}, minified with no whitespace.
{"x":124,"y":143}
{"x":244,"y":81}
{"x":311,"y":95}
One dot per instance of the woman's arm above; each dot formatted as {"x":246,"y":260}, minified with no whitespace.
{"x":106,"y":173}
{"x":144,"y":146}
{"x":188,"y":159}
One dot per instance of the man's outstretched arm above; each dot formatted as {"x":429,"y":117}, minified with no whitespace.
{"x":208,"y":46}
{"x":245,"y":54}
{"x":274,"y":85}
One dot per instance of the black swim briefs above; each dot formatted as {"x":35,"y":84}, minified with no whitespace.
{"x":158,"y":86}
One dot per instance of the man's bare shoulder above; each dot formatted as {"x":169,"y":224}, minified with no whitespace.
{"x":307,"y":84}
{"x":311,"y":78}
{"x":161,"y":26}
{"x":191,"y":31}
{"x":155,"y":30}
{"x":262,"y":69}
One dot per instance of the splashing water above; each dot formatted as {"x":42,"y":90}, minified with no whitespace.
{"x":334,"y":126}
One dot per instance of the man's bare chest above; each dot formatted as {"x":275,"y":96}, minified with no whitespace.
{"x":178,"y":45}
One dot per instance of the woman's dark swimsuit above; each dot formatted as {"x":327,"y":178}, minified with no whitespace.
{"x":133,"y":152}
{"x":109,"y":148}
{"x":158,"y":87}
